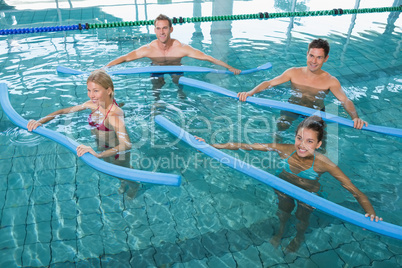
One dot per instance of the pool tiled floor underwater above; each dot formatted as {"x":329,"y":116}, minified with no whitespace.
{"x":68,"y":220}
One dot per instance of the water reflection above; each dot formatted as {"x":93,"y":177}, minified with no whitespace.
{"x":352,"y":24}
{"x":291,"y":5}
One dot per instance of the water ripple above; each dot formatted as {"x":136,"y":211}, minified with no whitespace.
{"x":20,"y":136}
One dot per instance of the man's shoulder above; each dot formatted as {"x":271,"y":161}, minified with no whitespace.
{"x":330,"y":78}
{"x":153,"y":43}
{"x":181,"y":48}
{"x":176,"y":42}
{"x":296,"y":70}
{"x":179,"y":45}
{"x":330,"y":81}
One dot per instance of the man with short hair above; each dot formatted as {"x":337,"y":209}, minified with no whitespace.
{"x":167,"y":51}
{"x":310,"y":85}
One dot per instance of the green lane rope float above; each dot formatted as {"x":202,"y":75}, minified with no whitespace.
{"x":181,"y":20}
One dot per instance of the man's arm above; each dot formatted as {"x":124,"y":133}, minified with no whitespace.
{"x":283,"y":78}
{"x":338,"y":92}
{"x":199,"y":55}
{"x":133,"y":55}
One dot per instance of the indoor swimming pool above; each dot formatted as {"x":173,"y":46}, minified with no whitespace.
{"x":56,"y":211}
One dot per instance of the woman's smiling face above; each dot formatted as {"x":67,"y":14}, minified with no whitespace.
{"x":306,"y":142}
{"x":97,"y":93}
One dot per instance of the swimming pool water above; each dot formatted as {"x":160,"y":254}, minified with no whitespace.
{"x":56,"y":211}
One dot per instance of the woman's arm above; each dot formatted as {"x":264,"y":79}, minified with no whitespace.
{"x":247,"y":146}
{"x":278,"y":147}
{"x":33,"y":124}
{"x":364,"y":202}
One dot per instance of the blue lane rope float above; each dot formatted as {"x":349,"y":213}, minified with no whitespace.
{"x":89,"y":159}
{"x":288,"y":107}
{"x":181,"y":20}
{"x":165,"y":69}
{"x":313,"y":200}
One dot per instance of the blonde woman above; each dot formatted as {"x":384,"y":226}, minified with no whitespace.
{"x":106,"y":121}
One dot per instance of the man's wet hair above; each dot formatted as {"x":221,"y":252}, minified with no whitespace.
{"x":320,"y":43}
{"x":163,"y":17}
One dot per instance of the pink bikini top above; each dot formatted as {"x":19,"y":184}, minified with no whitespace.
{"x":100,"y":126}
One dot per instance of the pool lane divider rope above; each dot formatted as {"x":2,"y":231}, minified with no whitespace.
{"x":165,"y":69}
{"x":181,"y":20}
{"x":288,"y":107}
{"x":311,"y":199}
{"x":96,"y":163}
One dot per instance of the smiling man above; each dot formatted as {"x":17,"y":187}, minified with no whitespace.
{"x":310,"y":85}
{"x":167,"y":51}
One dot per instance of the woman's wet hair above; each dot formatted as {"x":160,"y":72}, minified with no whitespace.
{"x":101,"y":78}
{"x":163,"y":17}
{"x":314,"y":123}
